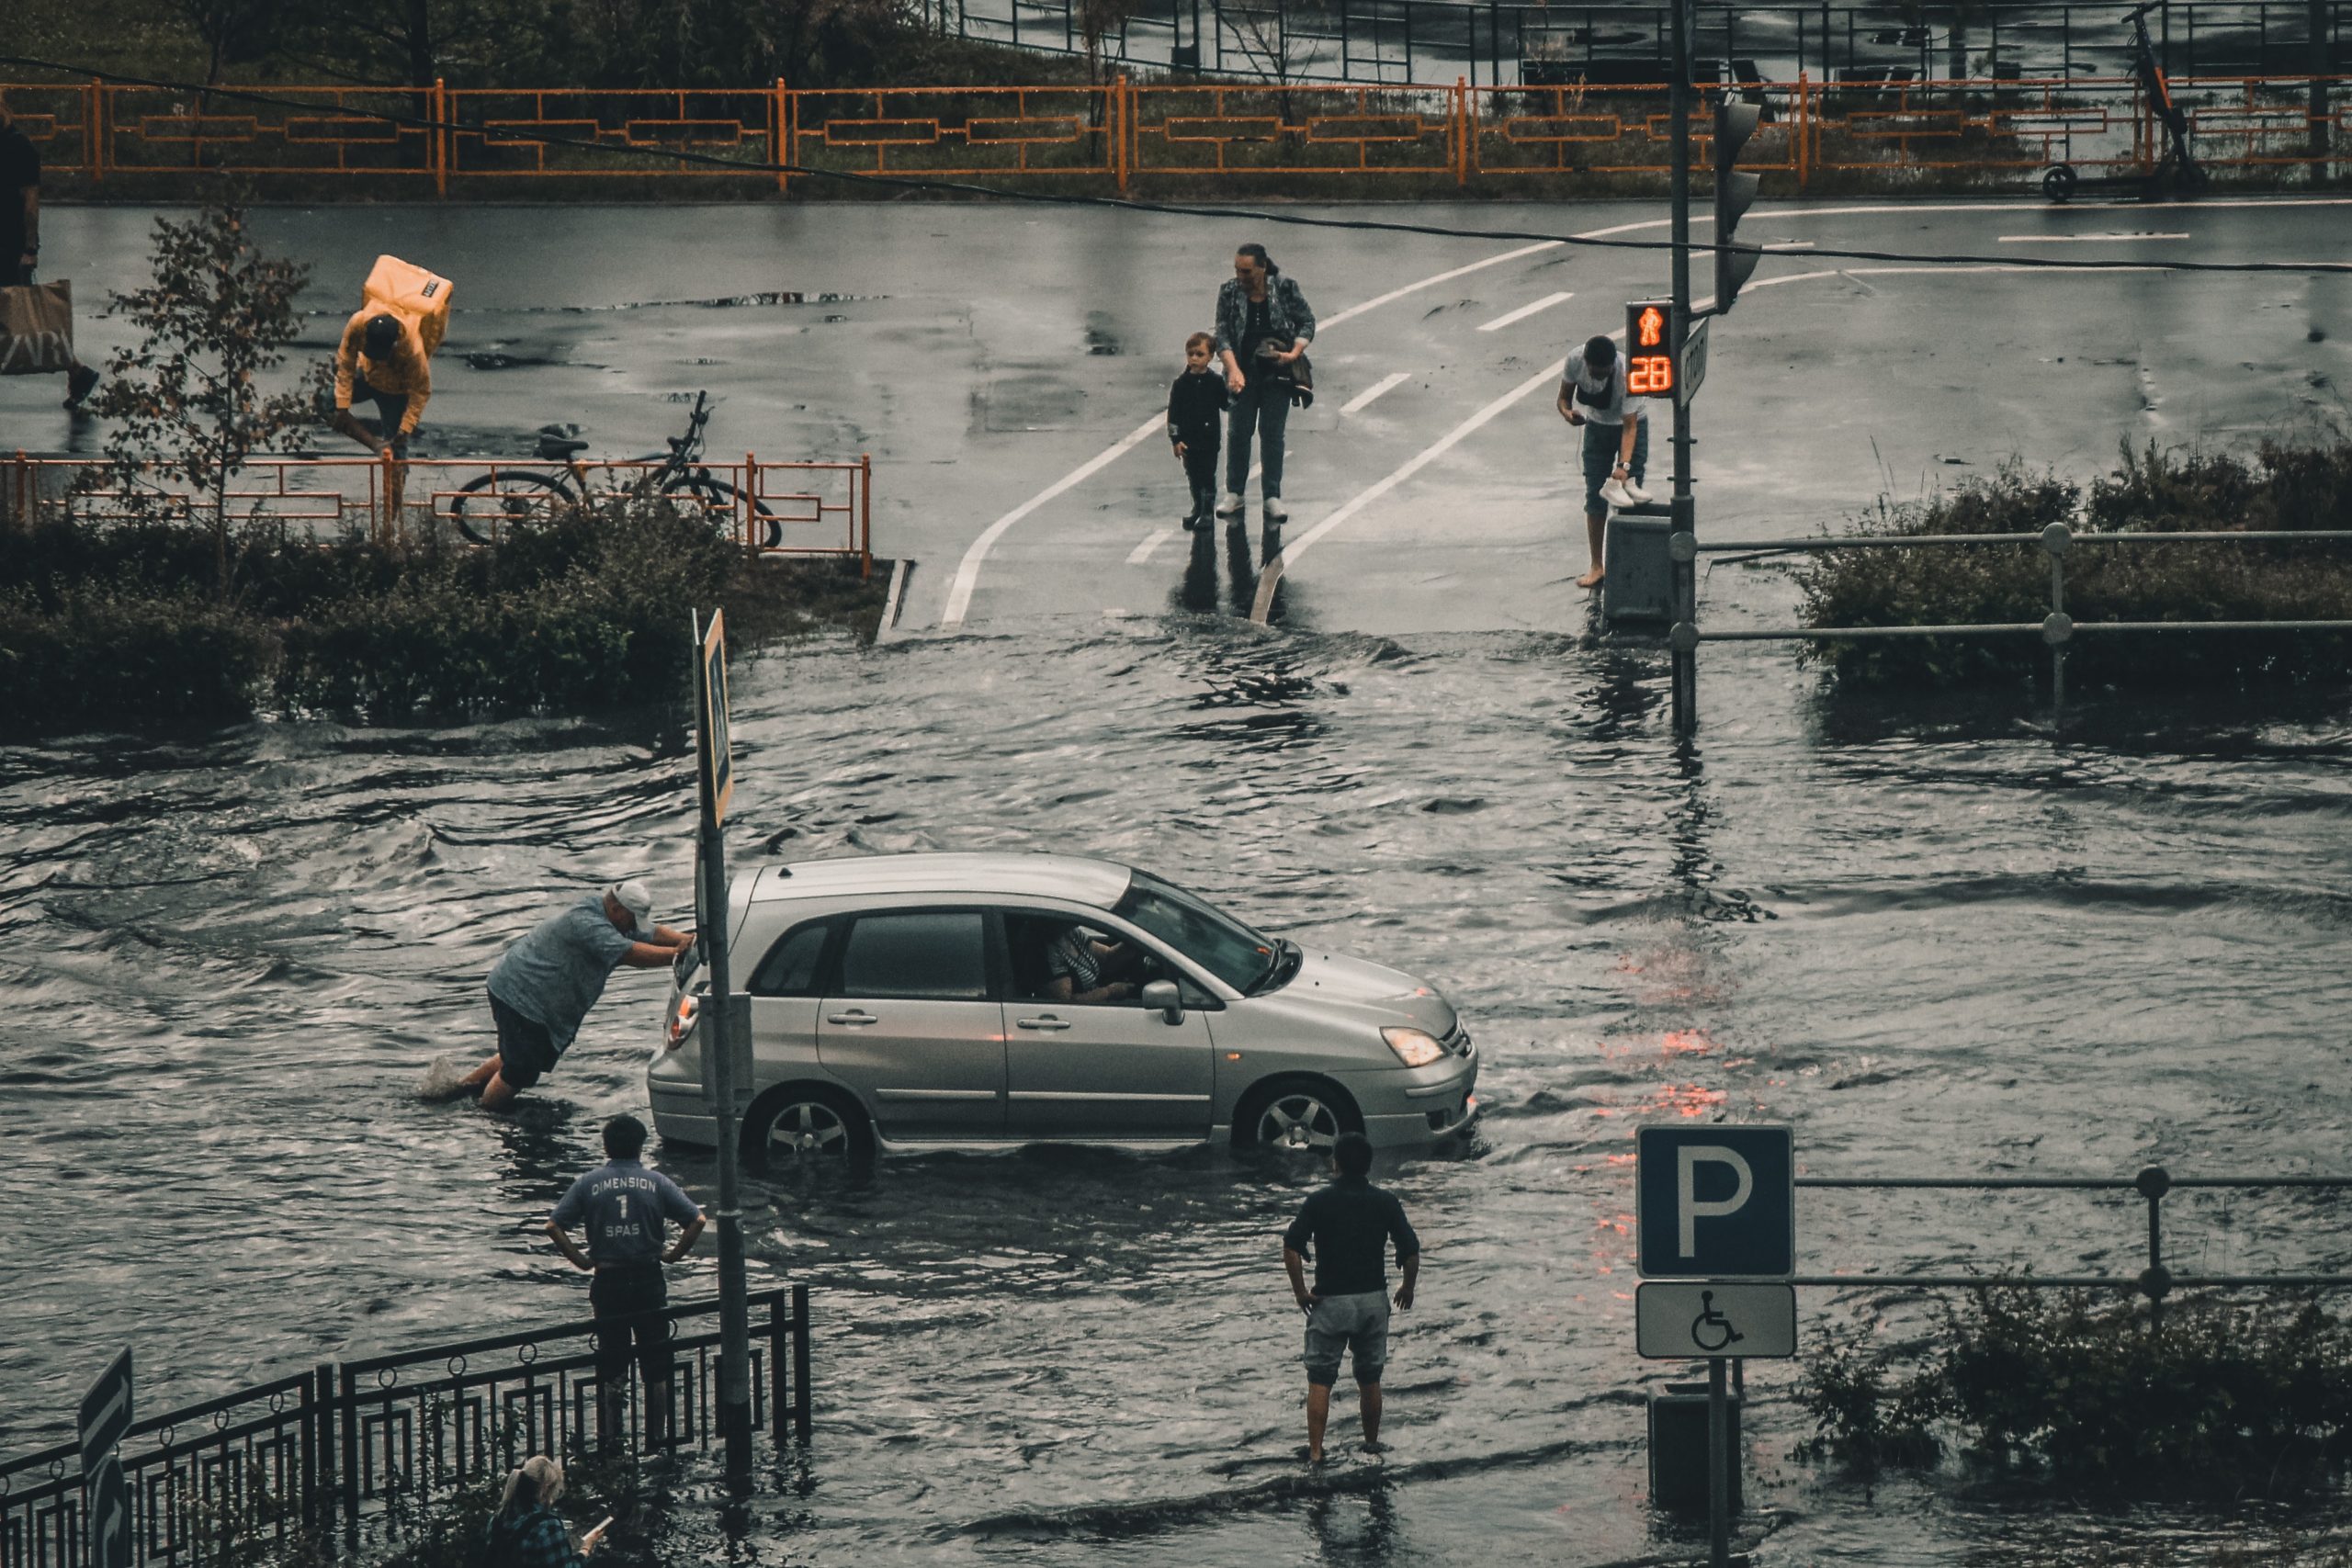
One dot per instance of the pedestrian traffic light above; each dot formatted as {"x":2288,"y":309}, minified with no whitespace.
{"x":1649,"y":356}
{"x":1735,"y":193}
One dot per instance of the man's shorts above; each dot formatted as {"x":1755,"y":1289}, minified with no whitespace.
{"x":392,"y":408}
{"x":525,"y":1049}
{"x":618,"y":1294}
{"x":1601,"y":443}
{"x":1355,"y":1324}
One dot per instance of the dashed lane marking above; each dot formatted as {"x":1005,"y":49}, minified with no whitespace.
{"x":1386,"y":383}
{"x":2084,"y":238}
{"x":1499,"y":322}
{"x":1142,"y":552}
{"x":968,"y":573}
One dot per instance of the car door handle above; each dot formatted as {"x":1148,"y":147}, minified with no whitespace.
{"x":854,"y":1015}
{"x":1045,"y":1021}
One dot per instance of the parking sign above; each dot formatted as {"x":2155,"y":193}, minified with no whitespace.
{"x":1714,"y":1203}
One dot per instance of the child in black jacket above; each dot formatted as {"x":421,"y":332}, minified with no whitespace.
{"x":1194,"y":404}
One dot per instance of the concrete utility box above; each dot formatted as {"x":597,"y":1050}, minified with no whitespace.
{"x":1640,"y":583}
{"x":1678,"y":1448}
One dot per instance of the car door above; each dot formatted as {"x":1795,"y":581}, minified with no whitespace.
{"x":1105,"y":1072}
{"x":911,"y":1021}
{"x":785,"y":995}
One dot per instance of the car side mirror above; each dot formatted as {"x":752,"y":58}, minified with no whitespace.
{"x":1163,"y":995}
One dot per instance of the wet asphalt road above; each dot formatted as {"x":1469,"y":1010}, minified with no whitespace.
{"x":1931,"y":935}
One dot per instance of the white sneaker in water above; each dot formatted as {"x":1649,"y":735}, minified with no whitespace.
{"x":1229,"y":504}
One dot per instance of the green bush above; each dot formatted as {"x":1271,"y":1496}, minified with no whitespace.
{"x":2215,"y":1396}
{"x":584,"y":609}
{"x":2284,"y":487}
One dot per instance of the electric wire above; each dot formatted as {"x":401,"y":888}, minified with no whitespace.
{"x":1129,"y":204}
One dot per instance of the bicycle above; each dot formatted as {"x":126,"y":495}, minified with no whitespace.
{"x":511,"y":494}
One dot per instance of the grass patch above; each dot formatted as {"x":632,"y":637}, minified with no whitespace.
{"x":2283,"y":486}
{"x":2221,"y":1398}
{"x":585,"y":609}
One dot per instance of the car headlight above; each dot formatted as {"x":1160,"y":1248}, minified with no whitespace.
{"x":1414,"y":1047}
{"x":681,"y":1019}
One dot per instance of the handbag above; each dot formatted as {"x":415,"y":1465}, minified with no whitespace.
{"x":37,"y":327}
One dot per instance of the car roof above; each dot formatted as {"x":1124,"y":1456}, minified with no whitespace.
{"x":1099,"y":883}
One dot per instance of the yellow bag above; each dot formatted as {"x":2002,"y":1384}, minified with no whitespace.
{"x":422,"y":296}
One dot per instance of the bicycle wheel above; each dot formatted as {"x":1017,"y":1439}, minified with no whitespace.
{"x":482,"y":506}
{"x":720,"y":497}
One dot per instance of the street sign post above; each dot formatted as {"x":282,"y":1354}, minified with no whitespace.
{"x":715,"y":775}
{"x":1714,"y":1203}
{"x":1687,"y":1320}
{"x":1693,"y":369}
{"x":1715,"y":1206}
{"x":105,"y":1416}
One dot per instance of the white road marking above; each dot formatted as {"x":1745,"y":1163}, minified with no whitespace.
{"x":1789,"y":244}
{"x":968,"y":573}
{"x":1142,"y":552}
{"x":2083,"y":239}
{"x":959,"y":598}
{"x":1386,"y":383}
{"x":1499,"y":322}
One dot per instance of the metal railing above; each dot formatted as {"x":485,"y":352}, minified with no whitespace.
{"x":355,"y":1448}
{"x":770,"y":509}
{"x":1506,"y":42}
{"x":2154,"y":1184}
{"x":1574,"y":128}
{"x":2056,"y":629}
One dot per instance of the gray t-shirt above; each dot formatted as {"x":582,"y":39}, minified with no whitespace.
{"x":556,"y":973}
{"x":625,"y":1204}
{"x":1601,"y":399}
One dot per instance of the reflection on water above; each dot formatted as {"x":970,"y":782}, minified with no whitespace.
{"x":1959,"y":941}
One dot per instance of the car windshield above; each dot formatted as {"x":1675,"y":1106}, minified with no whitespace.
{"x":1217,"y":942}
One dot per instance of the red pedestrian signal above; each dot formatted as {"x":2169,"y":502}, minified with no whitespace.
{"x":1649,"y":366}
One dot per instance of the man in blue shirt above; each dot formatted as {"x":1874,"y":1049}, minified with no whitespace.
{"x":548,"y":981}
{"x":624,"y":1206}
{"x":1346,"y":1226}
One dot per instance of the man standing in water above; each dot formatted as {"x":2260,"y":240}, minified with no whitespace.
{"x":1346,"y":1226}
{"x":624,"y":1206}
{"x":548,"y":981}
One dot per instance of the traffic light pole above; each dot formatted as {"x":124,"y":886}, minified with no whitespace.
{"x":1686,"y":660}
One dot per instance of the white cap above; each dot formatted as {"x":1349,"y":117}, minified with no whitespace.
{"x":634,"y":897}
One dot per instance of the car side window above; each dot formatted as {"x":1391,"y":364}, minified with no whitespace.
{"x":941,"y":955}
{"x":1047,"y":950}
{"x":790,"y":968}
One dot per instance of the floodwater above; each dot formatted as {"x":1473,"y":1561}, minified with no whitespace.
{"x":1937,"y":936}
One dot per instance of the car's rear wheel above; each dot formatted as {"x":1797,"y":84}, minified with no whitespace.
{"x":1300,"y":1117}
{"x":804,"y":1127}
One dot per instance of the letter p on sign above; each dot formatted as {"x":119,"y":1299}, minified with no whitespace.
{"x":1714,"y":1203}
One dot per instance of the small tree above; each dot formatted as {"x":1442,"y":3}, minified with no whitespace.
{"x":188,"y":402}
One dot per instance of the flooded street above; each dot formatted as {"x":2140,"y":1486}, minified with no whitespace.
{"x":1947,"y":945}
{"x":1936,"y":935}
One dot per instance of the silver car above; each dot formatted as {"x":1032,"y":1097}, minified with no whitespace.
{"x":901,"y":1001}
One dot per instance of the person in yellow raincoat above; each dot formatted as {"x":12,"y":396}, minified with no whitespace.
{"x":382,"y":358}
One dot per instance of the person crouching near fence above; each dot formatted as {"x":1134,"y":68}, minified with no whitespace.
{"x":624,"y":1206}
{"x":526,"y":1532}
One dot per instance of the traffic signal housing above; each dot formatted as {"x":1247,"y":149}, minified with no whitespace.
{"x":1735,"y":193}
{"x":1649,"y":356}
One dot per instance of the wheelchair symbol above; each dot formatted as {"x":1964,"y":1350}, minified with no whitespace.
{"x":1711,"y":1330}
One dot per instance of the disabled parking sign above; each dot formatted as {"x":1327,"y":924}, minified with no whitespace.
{"x":1714,"y":1203}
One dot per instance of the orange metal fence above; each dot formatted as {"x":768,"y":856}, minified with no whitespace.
{"x":1120,"y":130}
{"x":771,"y":509}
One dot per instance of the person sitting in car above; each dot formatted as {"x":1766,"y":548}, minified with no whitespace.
{"x":1078,"y":964}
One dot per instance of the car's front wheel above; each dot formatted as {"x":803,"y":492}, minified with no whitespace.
{"x":804,"y":1128}
{"x":1296,"y":1117}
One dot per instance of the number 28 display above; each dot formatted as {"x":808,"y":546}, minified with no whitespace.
{"x":1649,"y":364}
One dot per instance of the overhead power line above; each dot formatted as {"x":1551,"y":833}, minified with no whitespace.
{"x":1186,"y":209}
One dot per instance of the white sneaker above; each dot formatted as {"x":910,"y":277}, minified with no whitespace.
{"x":1614,"y":492}
{"x":1229,"y":504}
{"x":1275,"y":510}
{"x":1633,"y":487}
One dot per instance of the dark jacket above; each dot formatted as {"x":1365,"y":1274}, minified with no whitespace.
{"x":1193,"y":403}
{"x":1289,"y":319}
